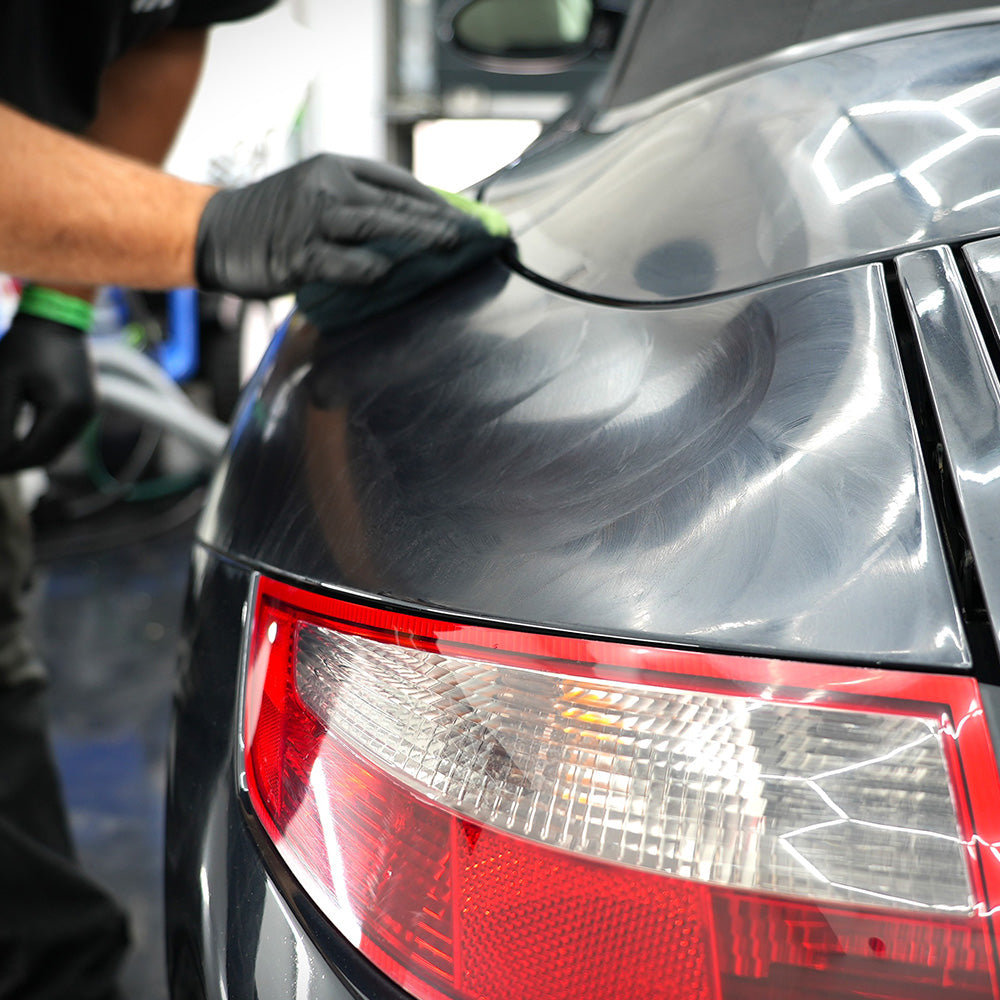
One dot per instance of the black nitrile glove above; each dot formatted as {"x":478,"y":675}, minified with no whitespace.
{"x":44,"y":366}
{"x":328,"y":219}
{"x":333,"y":307}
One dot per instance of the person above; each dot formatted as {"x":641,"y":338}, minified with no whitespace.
{"x":91,"y":96}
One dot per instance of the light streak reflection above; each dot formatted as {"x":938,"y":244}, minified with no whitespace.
{"x":915,"y":174}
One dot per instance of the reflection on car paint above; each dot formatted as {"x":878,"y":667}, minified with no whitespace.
{"x":692,"y":473}
{"x":814,"y":164}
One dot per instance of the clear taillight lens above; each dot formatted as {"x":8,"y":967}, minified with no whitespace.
{"x":488,"y":813}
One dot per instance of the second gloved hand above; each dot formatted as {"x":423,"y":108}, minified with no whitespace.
{"x":329,"y":219}
{"x":45,"y":370}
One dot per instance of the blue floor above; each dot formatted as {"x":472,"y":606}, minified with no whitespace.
{"x":105,"y":613}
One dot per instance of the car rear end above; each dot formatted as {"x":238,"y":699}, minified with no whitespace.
{"x":622,"y":620}
{"x":377,"y":785}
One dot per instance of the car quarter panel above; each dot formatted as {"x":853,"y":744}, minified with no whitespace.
{"x":740,"y":473}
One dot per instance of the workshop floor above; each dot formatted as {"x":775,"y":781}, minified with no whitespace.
{"x":106,"y":611}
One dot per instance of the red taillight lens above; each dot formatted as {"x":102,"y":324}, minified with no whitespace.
{"x":489,"y":814}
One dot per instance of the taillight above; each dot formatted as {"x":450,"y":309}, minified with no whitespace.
{"x":489,"y":813}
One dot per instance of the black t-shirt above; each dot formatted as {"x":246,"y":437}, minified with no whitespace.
{"x":53,"y":52}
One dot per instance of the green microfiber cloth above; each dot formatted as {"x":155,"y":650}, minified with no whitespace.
{"x":332,"y":307}
{"x":493,"y":222}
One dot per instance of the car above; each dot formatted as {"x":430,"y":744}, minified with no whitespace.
{"x":620,"y":618}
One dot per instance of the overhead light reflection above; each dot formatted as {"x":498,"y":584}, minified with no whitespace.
{"x":931,"y":302}
{"x":348,"y":923}
{"x":885,"y":897}
{"x":924,"y":188}
{"x":979,"y":199}
{"x":914,"y":174}
{"x":977,"y":90}
{"x":897,"y":506}
{"x":946,"y":637}
{"x":980,"y":478}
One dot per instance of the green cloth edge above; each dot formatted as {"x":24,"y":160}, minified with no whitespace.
{"x":492,"y":220}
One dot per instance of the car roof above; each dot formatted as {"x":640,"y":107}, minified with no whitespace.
{"x":669,"y":42}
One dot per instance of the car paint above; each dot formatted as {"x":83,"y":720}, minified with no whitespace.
{"x":849,"y":156}
{"x":740,"y":471}
{"x":696,"y":475}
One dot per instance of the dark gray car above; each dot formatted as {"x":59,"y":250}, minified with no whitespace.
{"x":621,"y":620}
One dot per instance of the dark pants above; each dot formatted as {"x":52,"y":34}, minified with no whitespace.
{"x":61,"y":936}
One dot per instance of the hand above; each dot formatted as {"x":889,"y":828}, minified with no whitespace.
{"x":330,"y":219}
{"x":44,"y":366}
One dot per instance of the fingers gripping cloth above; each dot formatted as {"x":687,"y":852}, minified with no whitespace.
{"x":330,"y":218}
{"x":334,"y":306}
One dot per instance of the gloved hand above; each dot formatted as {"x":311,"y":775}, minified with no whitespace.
{"x":329,"y":219}
{"x":44,"y":364}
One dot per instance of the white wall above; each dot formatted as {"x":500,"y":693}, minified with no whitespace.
{"x":348,"y":103}
{"x":257,"y":75}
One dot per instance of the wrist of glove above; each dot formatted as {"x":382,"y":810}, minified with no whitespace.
{"x":329,"y":219}
{"x":47,"y":390}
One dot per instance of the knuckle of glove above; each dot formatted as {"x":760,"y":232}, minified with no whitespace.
{"x":325,"y":175}
{"x":369,"y":269}
{"x":360,"y":225}
{"x":436,"y":233}
{"x":251,"y":240}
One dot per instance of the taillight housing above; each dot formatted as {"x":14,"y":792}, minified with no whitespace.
{"x":490,"y":813}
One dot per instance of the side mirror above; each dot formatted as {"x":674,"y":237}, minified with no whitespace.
{"x":529,"y":36}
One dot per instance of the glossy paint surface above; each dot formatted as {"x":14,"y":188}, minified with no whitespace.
{"x":810,"y":165}
{"x":964,"y":389}
{"x":738,"y":474}
{"x":680,"y":42}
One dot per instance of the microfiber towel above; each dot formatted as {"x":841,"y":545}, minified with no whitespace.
{"x":332,"y":307}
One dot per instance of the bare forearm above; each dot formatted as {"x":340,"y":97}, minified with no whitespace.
{"x":72,"y":213}
{"x":145,"y":94}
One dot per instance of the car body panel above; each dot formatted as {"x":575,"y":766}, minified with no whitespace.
{"x":740,"y":474}
{"x":692,"y":43}
{"x":964,"y":389}
{"x":819,"y":163}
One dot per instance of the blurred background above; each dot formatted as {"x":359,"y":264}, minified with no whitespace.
{"x":371,"y":79}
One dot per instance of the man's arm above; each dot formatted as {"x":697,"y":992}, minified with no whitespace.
{"x":72,"y":216}
{"x":146,"y":93}
{"x":143,"y":98}
{"x":73,"y":213}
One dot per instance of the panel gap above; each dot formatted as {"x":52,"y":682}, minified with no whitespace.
{"x":944,"y":494}
{"x":979,"y":308}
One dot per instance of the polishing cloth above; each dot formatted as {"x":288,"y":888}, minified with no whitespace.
{"x":333,"y":307}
